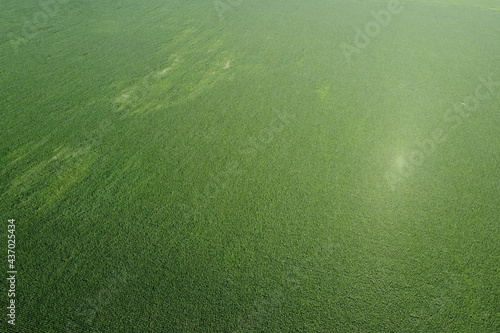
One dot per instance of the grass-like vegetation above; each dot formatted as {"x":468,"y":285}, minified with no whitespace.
{"x":171,"y":170}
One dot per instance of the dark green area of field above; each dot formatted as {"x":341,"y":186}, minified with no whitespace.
{"x":171,"y":169}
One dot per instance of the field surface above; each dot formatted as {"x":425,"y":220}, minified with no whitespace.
{"x":251,"y":166}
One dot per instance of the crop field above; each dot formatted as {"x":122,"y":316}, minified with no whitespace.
{"x":250,"y":166}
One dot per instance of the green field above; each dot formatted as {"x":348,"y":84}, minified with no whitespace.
{"x":250,"y":165}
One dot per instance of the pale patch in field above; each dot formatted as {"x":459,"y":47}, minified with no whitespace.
{"x":122,"y":98}
{"x":400,"y":163}
{"x":169,"y":68}
{"x":22,"y":181}
{"x":64,"y":153}
{"x":398,"y":168}
{"x":323,"y":92}
{"x":24,"y":151}
{"x":227,"y":64}
{"x":165,"y":71}
{"x":66,"y":166}
{"x":57,"y":156}
{"x":144,"y":85}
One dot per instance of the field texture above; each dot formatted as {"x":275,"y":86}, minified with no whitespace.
{"x":250,"y":165}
